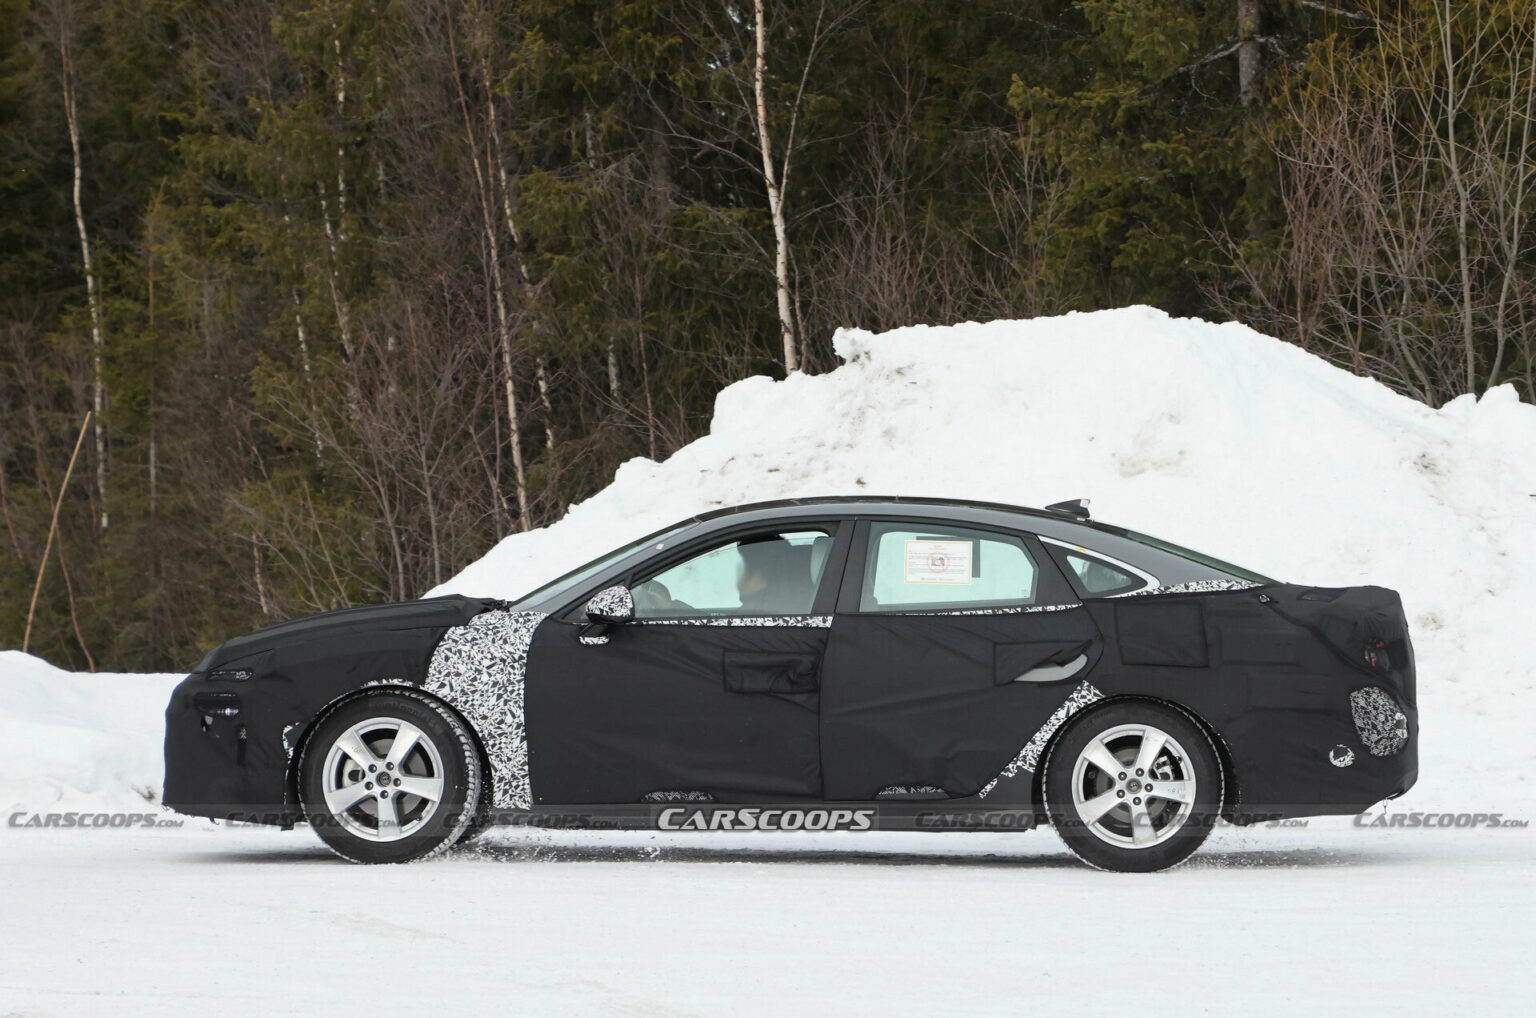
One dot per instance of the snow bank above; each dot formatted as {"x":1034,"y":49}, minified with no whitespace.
{"x":75,"y":741}
{"x":1208,"y":435}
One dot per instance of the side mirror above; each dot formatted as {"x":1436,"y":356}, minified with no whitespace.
{"x":611,"y":606}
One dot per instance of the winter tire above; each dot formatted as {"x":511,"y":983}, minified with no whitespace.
{"x":1133,"y":787}
{"x":483,"y":820}
{"x":390,"y":777}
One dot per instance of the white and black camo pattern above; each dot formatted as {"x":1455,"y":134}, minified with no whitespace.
{"x":803,"y":621}
{"x":478,"y":669}
{"x":614,"y":602}
{"x":1029,"y":757}
{"x":677,"y":797}
{"x":901,"y":791}
{"x":1193,"y":587}
{"x":1382,"y":725}
{"x":1341,"y":756}
{"x":1008,"y":610}
{"x":290,"y":739}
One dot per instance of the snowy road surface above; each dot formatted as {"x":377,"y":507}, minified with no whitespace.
{"x":1330,"y":919}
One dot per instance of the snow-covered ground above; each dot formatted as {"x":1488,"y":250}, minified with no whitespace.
{"x":1212,"y":436}
{"x":1312,"y":922}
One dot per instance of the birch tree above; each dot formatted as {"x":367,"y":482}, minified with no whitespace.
{"x":753,"y":113}
{"x":774,"y":183}
{"x":480,"y":161}
{"x":69,"y":82}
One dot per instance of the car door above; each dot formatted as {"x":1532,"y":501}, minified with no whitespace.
{"x":950,"y":647}
{"x":711,"y":692}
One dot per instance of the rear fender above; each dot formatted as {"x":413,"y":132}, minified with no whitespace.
{"x":1231,"y":796}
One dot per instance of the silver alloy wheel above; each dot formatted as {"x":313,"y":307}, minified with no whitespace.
{"x":383,"y":779}
{"x":1133,"y":786}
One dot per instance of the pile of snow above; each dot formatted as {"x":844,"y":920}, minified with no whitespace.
{"x":1212,"y":436}
{"x":76,"y":741}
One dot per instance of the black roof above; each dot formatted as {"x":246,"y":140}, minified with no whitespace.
{"x":880,"y":503}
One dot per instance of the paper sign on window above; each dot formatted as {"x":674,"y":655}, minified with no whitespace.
{"x":938,"y":562}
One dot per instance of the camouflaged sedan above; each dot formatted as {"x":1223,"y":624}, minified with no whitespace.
{"x":820,"y":664}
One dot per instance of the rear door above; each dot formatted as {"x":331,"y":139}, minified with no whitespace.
{"x":713,"y":691}
{"x":950,"y":647}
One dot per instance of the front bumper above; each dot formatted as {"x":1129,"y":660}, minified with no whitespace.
{"x":223,"y":758}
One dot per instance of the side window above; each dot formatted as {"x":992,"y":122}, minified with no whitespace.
{"x":1098,"y":577}
{"x":765,"y":574}
{"x":939,"y":568}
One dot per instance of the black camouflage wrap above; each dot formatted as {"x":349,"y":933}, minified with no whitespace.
{"x":239,"y":766}
{"x":933,"y":720}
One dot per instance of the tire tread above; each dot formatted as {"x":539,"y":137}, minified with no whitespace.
{"x":469,"y":756}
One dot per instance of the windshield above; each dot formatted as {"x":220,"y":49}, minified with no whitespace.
{"x":1195,"y":556}
{"x":581,"y":574}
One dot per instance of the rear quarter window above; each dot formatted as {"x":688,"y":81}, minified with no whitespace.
{"x":1095,"y":575}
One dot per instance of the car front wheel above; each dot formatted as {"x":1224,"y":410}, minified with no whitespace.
{"x":1133,"y":786}
{"x":390,"y":777}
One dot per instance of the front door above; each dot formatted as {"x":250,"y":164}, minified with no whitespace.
{"x":713,"y":691}
{"x":951,"y":646}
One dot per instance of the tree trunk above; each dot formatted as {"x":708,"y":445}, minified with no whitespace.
{"x":337,"y":236}
{"x":493,"y":271}
{"x":262,"y":600}
{"x":428,"y":487}
{"x":1248,"y":52}
{"x":92,"y":291}
{"x":305,"y":369}
{"x":1463,"y":198}
{"x":53,"y":528}
{"x":1512,"y":245}
{"x":516,"y":239}
{"x":5,"y":510}
{"x":775,"y":198}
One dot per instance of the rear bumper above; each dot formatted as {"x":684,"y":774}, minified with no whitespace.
{"x":1351,"y":739}
{"x":1322,"y":780}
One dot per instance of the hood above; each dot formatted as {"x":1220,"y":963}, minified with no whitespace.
{"x":428,"y":613}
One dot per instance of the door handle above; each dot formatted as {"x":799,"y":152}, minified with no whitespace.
{"x":1054,"y":673}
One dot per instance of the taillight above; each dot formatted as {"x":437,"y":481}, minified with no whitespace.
{"x":1380,"y":721}
{"x":1376,"y":656}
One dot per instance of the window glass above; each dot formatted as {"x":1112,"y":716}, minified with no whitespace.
{"x":944,"y":568}
{"x":581,"y":574}
{"x":1203,"y":559}
{"x":1099,"y":577}
{"x":766,"y":574}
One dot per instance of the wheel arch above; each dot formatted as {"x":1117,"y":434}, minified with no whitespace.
{"x":301,"y":738}
{"x":1232,"y":789}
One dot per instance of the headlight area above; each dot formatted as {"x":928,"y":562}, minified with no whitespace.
{"x":217,"y":703}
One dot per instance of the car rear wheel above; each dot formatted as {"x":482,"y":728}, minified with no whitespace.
{"x":390,"y":777}
{"x":1133,"y":787}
